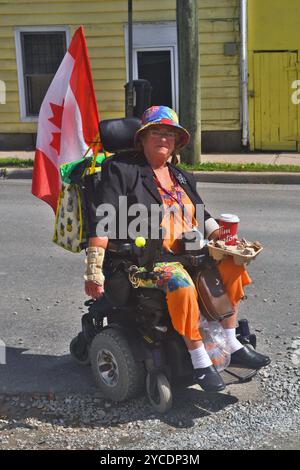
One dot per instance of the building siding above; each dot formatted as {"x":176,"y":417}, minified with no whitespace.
{"x":220,"y":83}
{"x":103,"y":23}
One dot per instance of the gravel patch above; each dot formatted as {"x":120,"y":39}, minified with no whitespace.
{"x":196,"y":421}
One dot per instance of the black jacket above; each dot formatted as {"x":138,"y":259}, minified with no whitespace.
{"x":131,"y":177}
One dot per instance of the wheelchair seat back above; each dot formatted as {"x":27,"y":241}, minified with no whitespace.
{"x":117,"y":135}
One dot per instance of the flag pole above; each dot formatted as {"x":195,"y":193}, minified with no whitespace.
{"x":129,"y":107}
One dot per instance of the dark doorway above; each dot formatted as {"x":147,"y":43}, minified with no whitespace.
{"x":155,"y":66}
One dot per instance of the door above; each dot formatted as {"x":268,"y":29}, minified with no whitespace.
{"x":275,"y":115}
{"x":156,"y":67}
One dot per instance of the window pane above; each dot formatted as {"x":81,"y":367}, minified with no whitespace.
{"x":155,"y":66}
{"x":36,"y":87}
{"x":43,"y":52}
{"x":42,"y":55}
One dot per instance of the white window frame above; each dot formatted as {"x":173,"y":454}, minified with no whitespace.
{"x":159,"y":36}
{"x":20,"y":70}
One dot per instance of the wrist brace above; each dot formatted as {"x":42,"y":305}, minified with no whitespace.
{"x":94,"y":262}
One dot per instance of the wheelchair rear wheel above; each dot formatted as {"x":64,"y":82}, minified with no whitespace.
{"x":118,"y":374}
{"x":159,"y":393}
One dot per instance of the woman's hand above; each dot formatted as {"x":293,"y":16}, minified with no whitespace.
{"x":93,"y":290}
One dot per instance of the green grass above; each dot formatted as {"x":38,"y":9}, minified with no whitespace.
{"x":16,"y":163}
{"x":258,"y":167}
{"x":254,"y":167}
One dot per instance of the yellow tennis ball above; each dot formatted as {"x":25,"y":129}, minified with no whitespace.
{"x":140,"y":242}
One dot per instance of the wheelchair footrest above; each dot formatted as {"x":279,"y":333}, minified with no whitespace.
{"x":233,"y":375}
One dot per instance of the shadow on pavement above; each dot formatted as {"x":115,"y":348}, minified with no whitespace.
{"x":33,"y":373}
{"x":56,"y":390}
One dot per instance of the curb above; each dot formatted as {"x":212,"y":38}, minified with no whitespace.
{"x":16,"y":173}
{"x":201,"y":176}
{"x":246,"y":177}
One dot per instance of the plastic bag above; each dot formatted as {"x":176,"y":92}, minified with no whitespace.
{"x":215,"y":343}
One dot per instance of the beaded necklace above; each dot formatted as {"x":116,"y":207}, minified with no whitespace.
{"x":175,"y":193}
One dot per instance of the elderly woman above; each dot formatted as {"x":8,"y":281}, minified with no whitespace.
{"x":149,"y":178}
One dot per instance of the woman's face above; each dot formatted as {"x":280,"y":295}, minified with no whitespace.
{"x":159,"y":142}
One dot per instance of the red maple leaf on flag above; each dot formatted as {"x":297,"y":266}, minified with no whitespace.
{"x":56,"y":119}
{"x":55,"y":142}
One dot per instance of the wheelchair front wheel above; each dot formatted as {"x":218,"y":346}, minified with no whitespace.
{"x":79,"y":350}
{"x":159,"y":393}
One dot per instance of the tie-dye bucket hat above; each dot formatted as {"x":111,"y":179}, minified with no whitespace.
{"x":162,"y":115}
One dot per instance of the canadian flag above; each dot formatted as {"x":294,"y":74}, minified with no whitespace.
{"x":68,"y":120}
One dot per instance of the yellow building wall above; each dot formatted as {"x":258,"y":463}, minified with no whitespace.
{"x":273,"y":25}
{"x":103,"y":22}
{"x":220,"y":83}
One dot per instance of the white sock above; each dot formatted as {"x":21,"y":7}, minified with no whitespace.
{"x":232,"y":342}
{"x":200,"y":358}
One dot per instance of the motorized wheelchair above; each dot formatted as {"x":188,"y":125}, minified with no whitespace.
{"x":127,"y":335}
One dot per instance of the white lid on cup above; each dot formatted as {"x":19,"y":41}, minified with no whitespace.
{"x":229,"y":218}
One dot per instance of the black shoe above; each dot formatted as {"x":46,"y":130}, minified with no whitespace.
{"x":209,"y":379}
{"x":249,"y":359}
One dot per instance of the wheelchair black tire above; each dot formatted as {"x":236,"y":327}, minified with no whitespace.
{"x":130,"y":377}
{"x":162,"y":401}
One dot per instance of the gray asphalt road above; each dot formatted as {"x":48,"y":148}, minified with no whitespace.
{"x":42,"y":295}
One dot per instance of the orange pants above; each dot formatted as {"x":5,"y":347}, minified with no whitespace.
{"x":182,"y":297}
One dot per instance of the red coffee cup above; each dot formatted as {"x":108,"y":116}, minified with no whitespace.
{"x":228,"y":228}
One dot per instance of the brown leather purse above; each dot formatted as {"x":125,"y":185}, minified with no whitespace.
{"x":213,"y":300}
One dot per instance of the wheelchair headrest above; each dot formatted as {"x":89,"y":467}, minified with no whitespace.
{"x":118,"y":134}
